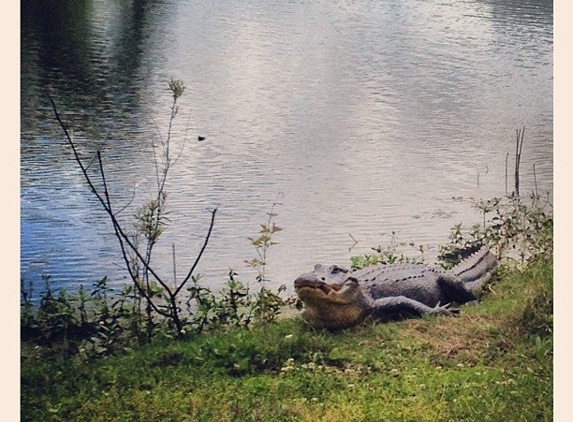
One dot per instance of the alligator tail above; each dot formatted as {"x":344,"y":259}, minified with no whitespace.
{"x":477,"y":269}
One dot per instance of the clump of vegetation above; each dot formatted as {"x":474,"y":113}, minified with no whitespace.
{"x":517,"y":230}
{"x":104,"y":322}
{"x":88,"y":325}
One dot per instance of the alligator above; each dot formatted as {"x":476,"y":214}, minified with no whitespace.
{"x":337,"y":298}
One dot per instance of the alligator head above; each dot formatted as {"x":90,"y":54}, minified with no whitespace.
{"x":332,"y":297}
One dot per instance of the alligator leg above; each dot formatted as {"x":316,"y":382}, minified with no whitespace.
{"x":474,"y":272}
{"x":456,"y":290}
{"x":462,"y":291}
{"x":398,"y":304}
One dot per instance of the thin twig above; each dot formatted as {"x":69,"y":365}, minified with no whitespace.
{"x":129,"y":202}
{"x":174,"y":265}
{"x":355,"y":242}
{"x":186,"y":279}
{"x":535,"y":181}
{"x":184,"y":140}
{"x":518,"y":150}
{"x":506,"y":167}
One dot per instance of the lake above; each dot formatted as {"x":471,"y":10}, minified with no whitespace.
{"x":369,"y":122}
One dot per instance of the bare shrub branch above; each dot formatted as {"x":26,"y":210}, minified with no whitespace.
{"x":152,"y":220}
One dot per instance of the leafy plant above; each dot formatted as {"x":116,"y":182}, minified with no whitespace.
{"x":262,"y":243}
{"x":266,"y":304}
{"x":56,"y":314}
{"x":514,"y":229}
{"x":233,"y":306}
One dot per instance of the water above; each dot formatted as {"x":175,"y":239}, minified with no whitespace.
{"x":364,"y":120}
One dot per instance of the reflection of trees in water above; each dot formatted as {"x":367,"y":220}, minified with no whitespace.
{"x":90,"y":57}
{"x":522,"y":12}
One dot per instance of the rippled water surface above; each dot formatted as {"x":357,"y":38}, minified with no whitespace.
{"x":361,"y":118}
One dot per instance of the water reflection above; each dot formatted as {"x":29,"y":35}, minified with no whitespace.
{"x":366,"y":117}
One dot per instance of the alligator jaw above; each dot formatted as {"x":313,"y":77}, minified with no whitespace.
{"x":313,"y":283}
{"x":330,"y":305}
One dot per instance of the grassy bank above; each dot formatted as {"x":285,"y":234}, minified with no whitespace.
{"x":493,"y":362}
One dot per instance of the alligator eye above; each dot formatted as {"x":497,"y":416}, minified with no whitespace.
{"x":336,"y":269}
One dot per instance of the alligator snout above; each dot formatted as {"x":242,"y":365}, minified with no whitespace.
{"x":325,"y":278}
{"x":311,"y":281}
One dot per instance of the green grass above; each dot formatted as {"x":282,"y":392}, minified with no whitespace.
{"x":493,"y":362}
